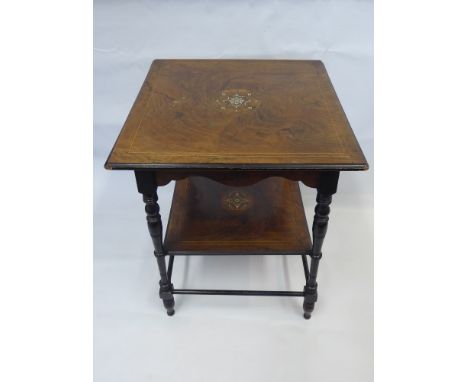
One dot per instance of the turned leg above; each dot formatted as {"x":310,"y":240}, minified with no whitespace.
{"x":155,"y":228}
{"x":319,"y":230}
{"x":327,"y":187}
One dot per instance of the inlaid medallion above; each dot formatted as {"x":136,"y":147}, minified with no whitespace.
{"x":237,"y":99}
{"x":237,"y":201}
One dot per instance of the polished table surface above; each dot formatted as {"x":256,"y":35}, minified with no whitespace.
{"x":237,"y":114}
{"x":208,"y":217}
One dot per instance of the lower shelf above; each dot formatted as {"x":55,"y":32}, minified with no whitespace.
{"x":209,"y":218}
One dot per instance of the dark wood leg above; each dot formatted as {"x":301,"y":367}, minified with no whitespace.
{"x":155,"y":228}
{"x":147,"y":186}
{"x":319,"y":230}
{"x":327,"y":188}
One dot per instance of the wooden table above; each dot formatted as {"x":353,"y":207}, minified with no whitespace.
{"x":237,"y":136}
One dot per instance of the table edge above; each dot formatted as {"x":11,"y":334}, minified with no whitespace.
{"x":241,"y":166}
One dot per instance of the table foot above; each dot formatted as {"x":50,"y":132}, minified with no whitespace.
{"x":310,"y":297}
{"x":165,"y":287}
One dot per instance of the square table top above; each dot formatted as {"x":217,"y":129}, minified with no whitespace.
{"x":237,"y":114}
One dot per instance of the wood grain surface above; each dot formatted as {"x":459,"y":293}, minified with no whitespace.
{"x":237,"y":114}
{"x":211,"y":218}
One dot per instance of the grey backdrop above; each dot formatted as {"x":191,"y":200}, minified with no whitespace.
{"x":230,"y":338}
